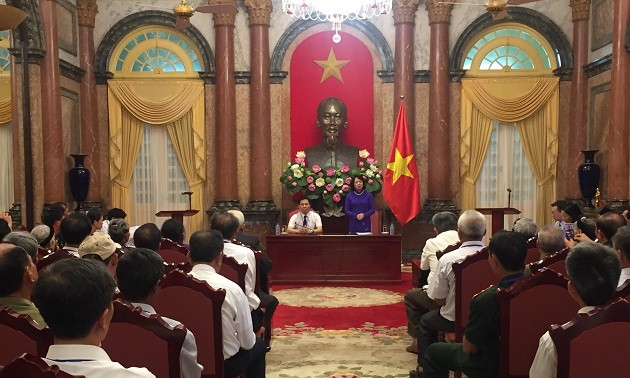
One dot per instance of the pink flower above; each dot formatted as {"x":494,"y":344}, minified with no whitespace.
{"x":330,"y":187}
{"x":294,"y":183}
{"x":320,"y":174}
{"x":369,"y":160}
{"x":289,"y":177}
{"x":330,"y":172}
{"x":370,"y":182}
{"x":311,"y":187}
{"x":316,"y":168}
{"x":299,"y":160}
{"x":361,"y":164}
{"x":310,"y":179}
{"x":348,"y":180}
{"x":345,"y":169}
{"x":345,"y":188}
{"x":336,"y":197}
{"x":303,"y":164}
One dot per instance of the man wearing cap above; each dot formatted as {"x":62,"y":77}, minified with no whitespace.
{"x":17,"y":278}
{"x":101,"y":247}
{"x":25,"y":241}
{"x":43,"y":234}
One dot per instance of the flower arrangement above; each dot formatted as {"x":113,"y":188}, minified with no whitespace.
{"x":330,"y":183}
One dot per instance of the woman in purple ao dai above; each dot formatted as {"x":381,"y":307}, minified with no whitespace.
{"x":359,"y":207}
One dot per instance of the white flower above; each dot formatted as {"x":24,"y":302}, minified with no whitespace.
{"x":320,"y":182}
{"x":364,"y":154}
{"x":373,"y":168}
{"x":297,"y":173}
{"x":300,"y":154}
{"x":339,"y":182}
{"x":368,"y":173}
{"x":295,"y":166}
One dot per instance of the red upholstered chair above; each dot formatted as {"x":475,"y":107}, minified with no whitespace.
{"x":623,"y":291}
{"x":448,"y":249}
{"x":533,"y":253}
{"x":526,"y":316}
{"x":172,"y":252}
{"x":57,"y":255}
{"x":554,"y":262}
{"x":132,"y":330}
{"x":234,"y":271}
{"x":184,"y":267}
{"x":198,"y":306}
{"x":594,"y":344}
{"x":375,"y":222}
{"x":419,"y":276}
{"x":29,"y":366}
{"x":20,"y":334}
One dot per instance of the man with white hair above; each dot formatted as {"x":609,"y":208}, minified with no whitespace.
{"x":471,"y":227}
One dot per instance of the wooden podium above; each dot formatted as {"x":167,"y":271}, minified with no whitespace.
{"x":176,"y":214}
{"x":498,"y":216}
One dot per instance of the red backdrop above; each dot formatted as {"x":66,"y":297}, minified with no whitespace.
{"x":356,"y":91}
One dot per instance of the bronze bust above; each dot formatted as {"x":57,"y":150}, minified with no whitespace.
{"x":332,"y":119}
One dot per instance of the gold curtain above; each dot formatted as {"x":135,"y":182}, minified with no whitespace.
{"x":531,"y":102}
{"x":5,"y":100}
{"x":178,"y":105}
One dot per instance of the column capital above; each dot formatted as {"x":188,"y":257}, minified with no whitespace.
{"x":439,"y":12}
{"x":581,"y":10}
{"x":86,"y":11}
{"x":224,"y":19}
{"x":405,"y":11}
{"x":259,"y":11}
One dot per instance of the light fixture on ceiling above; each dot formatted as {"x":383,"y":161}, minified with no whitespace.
{"x":336,"y":11}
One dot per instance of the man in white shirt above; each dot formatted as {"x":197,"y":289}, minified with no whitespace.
{"x":621,"y":244}
{"x":139,"y":273}
{"x":306,"y":221}
{"x":471,"y":227}
{"x":556,"y":213}
{"x":417,"y":302}
{"x":242,"y":350}
{"x":74,"y":296}
{"x":593,"y":271}
{"x":263,"y":305}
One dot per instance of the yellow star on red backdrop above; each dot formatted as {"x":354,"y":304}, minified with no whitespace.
{"x":400,"y":166}
{"x":332,"y":66}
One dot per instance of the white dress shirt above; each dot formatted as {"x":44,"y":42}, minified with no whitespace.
{"x":235,"y":314}
{"x":91,"y":362}
{"x":188,"y":355}
{"x":443,"y":284}
{"x":545,"y":363}
{"x":428,"y":260}
{"x":244,"y":255}
{"x":313,"y":220}
{"x":625,"y":275}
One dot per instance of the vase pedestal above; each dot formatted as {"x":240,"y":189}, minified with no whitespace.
{"x":588,"y":177}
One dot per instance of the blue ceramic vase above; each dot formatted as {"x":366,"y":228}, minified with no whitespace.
{"x":588,"y":176}
{"x":79,"y":178}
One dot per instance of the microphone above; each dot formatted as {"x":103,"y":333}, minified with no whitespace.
{"x":509,"y":196}
{"x":189,"y":194}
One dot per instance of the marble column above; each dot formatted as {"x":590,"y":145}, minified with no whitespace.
{"x":439,"y":110}
{"x":579,"y":95}
{"x":225,"y":110}
{"x":404,"y":12}
{"x":52,"y":132}
{"x":617,"y":185}
{"x":259,"y":12}
{"x":87,"y":10}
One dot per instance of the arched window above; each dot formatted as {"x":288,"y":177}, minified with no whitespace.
{"x":6,"y":143}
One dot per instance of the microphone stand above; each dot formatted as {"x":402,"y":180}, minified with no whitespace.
{"x":509,"y":196}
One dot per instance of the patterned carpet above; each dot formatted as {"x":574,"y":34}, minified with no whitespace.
{"x":340,"y":332}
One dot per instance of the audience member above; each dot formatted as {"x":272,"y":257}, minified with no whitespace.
{"x":75,"y":227}
{"x":253,"y":242}
{"x":52,"y":218}
{"x":625,"y":211}
{"x":417,"y":301}
{"x":17,"y":278}
{"x":593,"y":271}
{"x":550,"y":240}
{"x":571,"y":213}
{"x":148,"y":236}
{"x":5,"y":228}
{"x":306,"y":221}
{"x":139,"y":273}
{"x":43,"y":234}
{"x":556,"y":212}
{"x":242,"y":350}
{"x":173,"y":230}
{"x":75,"y":298}
{"x":471,"y":227}
{"x":24,"y":240}
{"x":621,"y":243}
{"x":587,"y":227}
{"x":118,"y":230}
{"x":478,"y":354}
{"x":100,"y":246}
{"x":113,"y":213}
{"x":96,"y":217}
{"x":607,"y":226}
{"x":525,"y":227}
{"x":263,"y":305}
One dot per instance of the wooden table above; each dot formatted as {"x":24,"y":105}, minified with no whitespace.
{"x":334,"y":258}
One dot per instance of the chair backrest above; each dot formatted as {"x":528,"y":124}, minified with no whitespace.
{"x":526,"y":316}
{"x":57,"y":255}
{"x":290,"y":214}
{"x":258,"y":255}
{"x":29,"y":366}
{"x":603,"y":333}
{"x":198,"y":306}
{"x":533,"y":253}
{"x":132,"y":329}
{"x":554,"y":262}
{"x":172,"y":252}
{"x":184,"y":267}
{"x":623,"y":291}
{"x":234,"y":271}
{"x":20,"y":334}
{"x":375,"y":222}
{"x":472,"y":275}
{"x":448,"y":249}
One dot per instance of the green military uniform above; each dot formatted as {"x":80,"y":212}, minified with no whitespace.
{"x":23,"y":306}
{"x":482,"y":330}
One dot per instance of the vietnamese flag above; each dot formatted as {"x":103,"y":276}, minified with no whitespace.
{"x":401,"y":185}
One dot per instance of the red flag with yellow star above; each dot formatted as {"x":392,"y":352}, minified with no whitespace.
{"x":401,"y":185}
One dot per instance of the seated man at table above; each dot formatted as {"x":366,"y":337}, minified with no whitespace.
{"x":306,"y":221}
